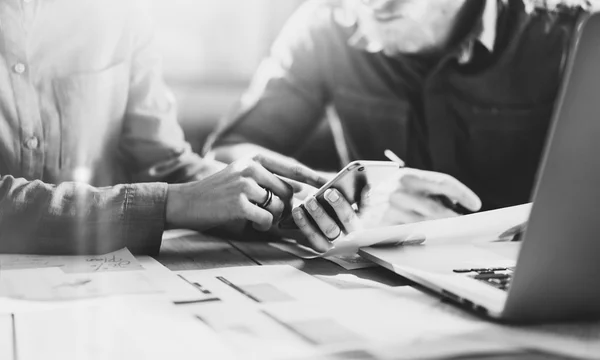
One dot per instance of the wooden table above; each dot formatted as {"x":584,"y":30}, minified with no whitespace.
{"x":201,"y":251}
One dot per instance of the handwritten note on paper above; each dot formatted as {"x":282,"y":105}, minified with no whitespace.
{"x":121,"y":260}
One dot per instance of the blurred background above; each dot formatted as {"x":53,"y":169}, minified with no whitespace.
{"x":211,"y":49}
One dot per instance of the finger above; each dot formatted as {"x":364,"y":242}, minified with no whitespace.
{"x":291,"y":169}
{"x":441,"y":184}
{"x":420,"y":204}
{"x":513,"y":231}
{"x":254,"y":192}
{"x":258,"y":195}
{"x":262,"y":219}
{"x":276,"y":208}
{"x":301,"y":190}
{"x":315,"y":238}
{"x":268,"y":180}
{"x":324,"y":222}
{"x":343,"y":210}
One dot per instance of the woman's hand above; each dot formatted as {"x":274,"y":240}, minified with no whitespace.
{"x":239,"y":192}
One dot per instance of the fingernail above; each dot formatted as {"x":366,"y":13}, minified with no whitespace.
{"x":332,"y":195}
{"x":312,"y":204}
{"x":297,"y":214}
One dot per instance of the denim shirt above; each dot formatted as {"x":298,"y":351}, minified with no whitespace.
{"x":83,"y":108}
{"x":483,"y":122}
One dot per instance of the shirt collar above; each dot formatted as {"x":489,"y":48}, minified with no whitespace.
{"x":485,"y":32}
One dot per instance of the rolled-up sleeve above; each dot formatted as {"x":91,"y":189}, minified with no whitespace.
{"x":73,"y":218}
{"x":286,"y":99}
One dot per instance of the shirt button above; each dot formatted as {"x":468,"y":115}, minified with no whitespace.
{"x":32,"y":143}
{"x":19,"y":68}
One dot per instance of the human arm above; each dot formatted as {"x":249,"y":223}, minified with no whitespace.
{"x":287,"y":97}
{"x":74,"y":218}
{"x":152,"y":142}
{"x":234,"y":193}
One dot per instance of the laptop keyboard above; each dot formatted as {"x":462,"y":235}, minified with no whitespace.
{"x":497,"y":277}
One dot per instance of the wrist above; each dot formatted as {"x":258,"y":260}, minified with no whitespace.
{"x":174,"y":207}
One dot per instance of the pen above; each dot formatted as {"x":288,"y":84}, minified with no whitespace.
{"x":390,"y":155}
{"x":456,"y":207}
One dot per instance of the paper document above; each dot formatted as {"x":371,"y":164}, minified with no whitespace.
{"x":580,"y":341}
{"x":174,"y":286}
{"x":75,"y":278}
{"x":396,"y":324}
{"x":257,"y":285}
{"x":53,"y":284}
{"x":238,"y":316}
{"x":253,"y":333}
{"x":478,"y":227}
{"x":121,"y":260}
{"x":116,"y":328}
{"x":7,"y":338}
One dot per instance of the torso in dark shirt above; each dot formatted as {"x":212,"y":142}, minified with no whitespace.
{"x":483,"y":123}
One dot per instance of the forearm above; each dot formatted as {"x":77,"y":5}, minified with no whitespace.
{"x":73,"y":218}
{"x":230,"y":153}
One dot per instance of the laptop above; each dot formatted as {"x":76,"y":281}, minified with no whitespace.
{"x":553,"y":273}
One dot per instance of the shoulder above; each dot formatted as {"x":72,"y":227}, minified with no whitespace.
{"x":318,"y":24}
{"x":319,"y":16}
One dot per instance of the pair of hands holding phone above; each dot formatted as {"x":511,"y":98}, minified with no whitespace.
{"x":261,"y":189}
{"x":411,"y":196}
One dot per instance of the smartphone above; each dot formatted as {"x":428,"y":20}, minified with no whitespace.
{"x":351,"y":181}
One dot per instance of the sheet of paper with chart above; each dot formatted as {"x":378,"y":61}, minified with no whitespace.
{"x":238,"y":316}
{"x":174,"y":286}
{"x":121,"y":260}
{"x":45,"y":278}
{"x":257,"y":285}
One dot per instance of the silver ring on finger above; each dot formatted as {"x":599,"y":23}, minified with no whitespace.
{"x":268,"y":200}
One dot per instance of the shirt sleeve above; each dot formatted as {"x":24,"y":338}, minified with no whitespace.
{"x":73,"y":218}
{"x":152,"y":141}
{"x":286,"y":99}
